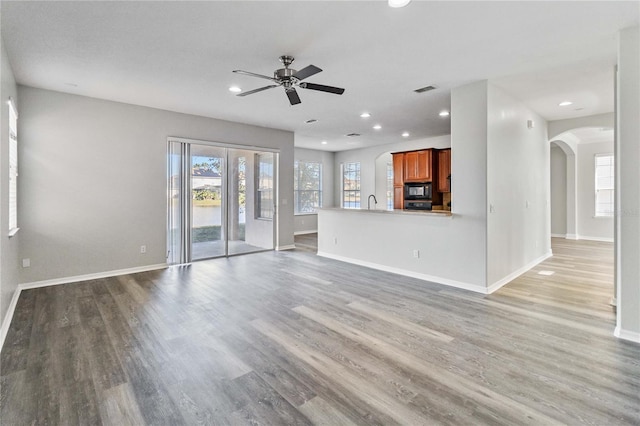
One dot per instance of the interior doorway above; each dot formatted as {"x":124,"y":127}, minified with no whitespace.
{"x":220,"y":200}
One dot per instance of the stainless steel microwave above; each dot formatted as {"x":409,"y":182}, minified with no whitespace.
{"x":417,"y":191}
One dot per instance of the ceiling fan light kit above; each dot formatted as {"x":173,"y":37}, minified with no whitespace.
{"x":289,"y":79}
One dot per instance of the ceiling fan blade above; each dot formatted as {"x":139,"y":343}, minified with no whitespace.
{"x":307,"y":72}
{"x":252,"y":74}
{"x":250,"y":92}
{"x":293,"y":96}
{"x":322,"y":88}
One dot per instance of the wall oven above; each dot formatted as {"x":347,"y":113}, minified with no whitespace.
{"x":417,"y":205}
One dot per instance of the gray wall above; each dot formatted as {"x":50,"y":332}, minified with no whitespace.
{"x":9,"y":264}
{"x":307,"y":223}
{"x":518,"y":223}
{"x":589,"y":226}
{"x":93,"y":180}
{"x":558,"y":191}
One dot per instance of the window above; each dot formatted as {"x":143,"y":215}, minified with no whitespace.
{"x":13,"y":169}
{"x":390,"y":185}
{"x":604,"y":185}
{"x":307,"y":186}
{"x":264,"y":186}
{"x":351,"y":185}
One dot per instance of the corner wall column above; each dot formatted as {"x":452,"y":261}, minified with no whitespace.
{"x":628,"y":189}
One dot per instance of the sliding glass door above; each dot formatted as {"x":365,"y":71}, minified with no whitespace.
{"x":208,"y":201}
{"x":221,"y":200}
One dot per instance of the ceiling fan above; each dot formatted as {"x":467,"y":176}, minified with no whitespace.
{"x":290,"y":79}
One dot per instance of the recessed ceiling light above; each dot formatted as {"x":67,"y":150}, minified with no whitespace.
{"x":323,"y":142}
{"x":365,"y":115}
{"x":311,"y":120}
{"x":444,"y":113}
{"x":377,"y":127}
{"x":398,"y":3}
{"x":565,"y":103}
{"x":405,"y":134}
{"x":235,"y":89}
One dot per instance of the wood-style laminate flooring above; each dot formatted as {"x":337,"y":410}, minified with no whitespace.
{"x":292,"y":338}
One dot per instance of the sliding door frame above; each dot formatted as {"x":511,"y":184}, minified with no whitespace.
{"x":185,"y":185}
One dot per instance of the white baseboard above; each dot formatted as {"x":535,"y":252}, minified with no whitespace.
{"x":438,"y":280}
{"x":4,"y":329}
{"x":571,"y":237}
{"x":87,"y":277}
{"x":289,"y":247}
{"x":512,"y":276}
{"x":584,"y":237}
{"x":306,"y":232}
{"x":632,"y":336}
{"x":9,"y":316}
{"x":559,"y":235}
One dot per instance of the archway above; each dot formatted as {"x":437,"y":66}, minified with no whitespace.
{"x":567,"y":144}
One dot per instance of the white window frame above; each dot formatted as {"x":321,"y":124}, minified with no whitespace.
{"x":13,"y":168}
{"x":390,"y":185}
{"x":297,"y":190}
{"x":598,"y":188}
{"x":357,"y":192}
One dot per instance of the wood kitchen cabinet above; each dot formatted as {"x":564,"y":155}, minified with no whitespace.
{"x":398,"y":180}
{"x":418,"y":166}
{"x":444,"y":170}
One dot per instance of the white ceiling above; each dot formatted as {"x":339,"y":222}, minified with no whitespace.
{"x":179,"y":56}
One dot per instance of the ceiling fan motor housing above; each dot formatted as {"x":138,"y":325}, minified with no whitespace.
{"x":284,"y":73}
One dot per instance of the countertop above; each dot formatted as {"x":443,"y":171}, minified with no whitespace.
{"x":439,"y":213}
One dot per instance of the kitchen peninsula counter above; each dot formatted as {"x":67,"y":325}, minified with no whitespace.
{"x":439,"y":213}
{"x":414,"y":243}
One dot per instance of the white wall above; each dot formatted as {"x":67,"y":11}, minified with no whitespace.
{"x":518,"y":224}
{"x":589,"y":226}
{"x":558,"y":191}
{"x":368,"y":158}
{"x":93,"y":180}
{"x":307,"y":223}
{"x":9,"y":263}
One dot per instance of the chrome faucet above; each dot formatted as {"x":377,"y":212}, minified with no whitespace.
{"x":369,"y":201}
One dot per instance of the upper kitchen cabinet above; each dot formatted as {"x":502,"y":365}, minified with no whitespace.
{"x":444,"y":170}
{"x":418,"y":166}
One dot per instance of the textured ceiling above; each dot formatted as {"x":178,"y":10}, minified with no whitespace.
{"x":179,"y":56}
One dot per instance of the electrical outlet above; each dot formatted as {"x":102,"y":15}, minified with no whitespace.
{"x":416,"y":254}
{"x":26,"y":263}
{"x":143,"y":249}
